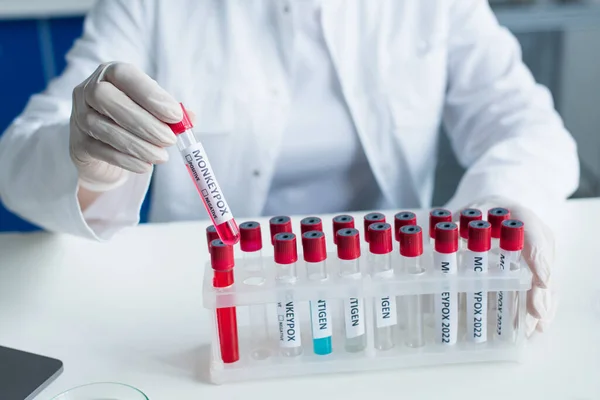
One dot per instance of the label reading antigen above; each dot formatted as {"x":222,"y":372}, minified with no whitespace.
{"x":385,"y":310}
{"x":320,"y":318}
{"x":204,"y":178}
{"x":289,"y":334}
{"x":446,"y":303}
{"x":354,"y":316}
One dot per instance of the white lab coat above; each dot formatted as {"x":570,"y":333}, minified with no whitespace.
{"x":402,"y":66}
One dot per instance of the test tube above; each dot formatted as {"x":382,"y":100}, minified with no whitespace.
{"x":286,"y":256}
{"x":372,"y":218}
{"x":211,"y":234}
{"x":445,"y":261}
{"x":252,"y":261}
{"x":380,"y":247}
{"x":403,"y":218}
{"x":278,"y":224}
{"x":348,"y":250}
{"x":202,"y":174}
{"x":476,"y":260}
{"x":341,"y":222}
{"x":315,"y":255}
{"x":411,"y":250}
{"x":512,"y":239}
{"x":222,"y":262}
{"x":495,"y":217}
{"x":311,"y":224}
{"x":466,"y":216}
{"x":436,"y":216}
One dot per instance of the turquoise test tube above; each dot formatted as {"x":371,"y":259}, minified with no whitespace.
{"x":321,"y":327}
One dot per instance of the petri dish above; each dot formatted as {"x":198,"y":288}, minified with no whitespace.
{"x":102,"y":391}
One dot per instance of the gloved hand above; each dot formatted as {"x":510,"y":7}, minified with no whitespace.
{"x":118,"y":125}
{"x":538,"y":253}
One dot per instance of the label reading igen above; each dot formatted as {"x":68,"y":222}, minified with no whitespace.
{"x":321,"y":321}
{"x":204,"y":178}
{"x":385,"y":310}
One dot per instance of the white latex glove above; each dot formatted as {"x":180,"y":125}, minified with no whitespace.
{"x":118,"y":125}
{"x":538,"y":253}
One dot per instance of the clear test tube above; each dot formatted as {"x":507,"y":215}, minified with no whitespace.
{"x":445,"y":261}
{"x":476,"y":261}
{"x":411,"y":250}
{"x":403,"y":218}
{"x":315,"y":255}
{"x":279,"y":224}
{"x":211,"y":234}
{"x":512,"y":239}
{"x":286,"y":256}
{"x":436,"y":216}
{"x":372,"y":218}
{"x":202,"y":174}
{"x":311,"y":224}
{"x":386,"y":318}
{"x":341,"y":222}
{"x":252,"y":265}
{"x":222,"y":262}
{"x":348,"y":250}
{"x":495,"y":217}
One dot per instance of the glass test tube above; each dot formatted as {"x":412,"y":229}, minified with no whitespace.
{"x":476,"y":261}
{"x":411,"y":251}
{"x":446,"y":304}
{"x":348,"y":250}
{"x":495,"y":216}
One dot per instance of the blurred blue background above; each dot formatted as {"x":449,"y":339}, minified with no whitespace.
{"x":560,"y":41}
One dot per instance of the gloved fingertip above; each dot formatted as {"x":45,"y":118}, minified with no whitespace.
{"x":530,"y":325}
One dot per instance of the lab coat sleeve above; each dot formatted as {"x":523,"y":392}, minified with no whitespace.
{"x":38,"y":180}
{"x":502,"y":125}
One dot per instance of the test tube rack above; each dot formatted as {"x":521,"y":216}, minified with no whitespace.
{"x":251,"y":289}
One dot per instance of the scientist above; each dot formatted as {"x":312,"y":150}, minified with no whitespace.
{"x":303,"y":107}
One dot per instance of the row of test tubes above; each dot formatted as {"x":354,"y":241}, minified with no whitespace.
{"x":468,"y":245}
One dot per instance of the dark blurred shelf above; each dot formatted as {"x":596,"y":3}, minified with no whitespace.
{"x":544,"y":16}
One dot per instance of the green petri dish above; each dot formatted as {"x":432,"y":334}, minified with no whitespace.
{"x":103,"y":391}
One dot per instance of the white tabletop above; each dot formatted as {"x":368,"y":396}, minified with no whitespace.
{"x":130,"y":311}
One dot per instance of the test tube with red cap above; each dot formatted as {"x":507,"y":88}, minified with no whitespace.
{"x":476,"y":261}
{"x":286,"y":257}
{"x":211,"y":234}
{"x":341,"y":222}
{"x":446,"y":303}
{"x":436,"y":216}
{"x":315,"y":255}
{"x":202,"y":174}
{"x":512,"y":240}
{"x":279,"y":224}
{"x":466,"y":216}
{"x":251,"y":246}
{"x":403,"y":218}
{"x":311,"y":224}
{"x":221,"y":258}
{"x":495,"y":217}
{"x":380,"y":247}
{"x":372,"y":218}
{"x":411,"y":251}
{"x":348,"y":250}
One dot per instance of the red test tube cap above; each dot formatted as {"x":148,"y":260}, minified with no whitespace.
{"x":446,"y":237}
{"x":403,"y":218}
{"x":348,"y":244}
{"x":411,"y":240}
{"x":480,"y":236}
{"x":466,"y":216}
{"x":380,"y":238}
{"x":221,"y":256}
{"x":250,"y":236}
{"x":183,"y":125}
{"x":372,"y":218}
{"x":313,"y":246}
{"x":311,"y":224}
{"x":435,"y":217}
{"x":211,"y":234}
{"x":495,"y":217}
{"x":279,"y":224}
{"x":341,"y":222}
{"x":512,"y":235}
{"x":286,"y":251}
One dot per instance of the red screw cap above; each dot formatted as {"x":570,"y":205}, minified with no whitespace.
{"x":313,"y":246}
{"x":250,"y":236}
{"x":348,"y":244}
{"x":512,"y":235}
{"x":372,"y":218}
{"x":435,"y":217}
{"x":221,"y":256}
{"x":341,"y":222}
{"x":401,"y":219}
{"x":183,"y":125}
{"x":466,"y":216}
{"x":411,"y":241}
{"x":279,"y":224}
{"x":480,"y":236}
{"x":286,"y":251}
{"x":311,"y":224}
{"x":380,"y":238}
{"x":495,"y":217}
{"x":446,"y":237}
{"x":211,"y":234}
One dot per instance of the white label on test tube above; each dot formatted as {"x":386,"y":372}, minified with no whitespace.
{"x":321,"y":320}
{"x":385,"y":307}
{"x":289,"y":334}
{"x":354,"y":310}
{"x":477,"y":302}
{"x":446,"y":303}
{"x":204,"y":178}
{"x":504,"y":299}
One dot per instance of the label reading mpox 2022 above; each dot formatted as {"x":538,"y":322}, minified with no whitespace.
{"x":204,"y":178}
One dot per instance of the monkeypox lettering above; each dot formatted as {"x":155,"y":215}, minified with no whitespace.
{"x":288,"y":329}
